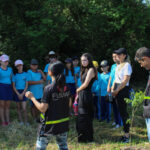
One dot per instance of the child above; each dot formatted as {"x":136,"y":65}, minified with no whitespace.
{"x":55,"y":106}
{"x":36,"y":80}
{"x":20,"y":85}
{"x":70,"y":76}
{"x":6,"y":93}
{"x":117,"y":118}
{"x":105,"y":106}
{"x":52,"y":58}
{"x":96,"y":93}
{"x":76,"y":68}
{"x":70,"y":79}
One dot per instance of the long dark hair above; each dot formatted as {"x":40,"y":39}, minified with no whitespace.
{"x":72,"y":69}
{"x":90,"y":65}
{"x":15,"y":70}
{"x":57,"y":70}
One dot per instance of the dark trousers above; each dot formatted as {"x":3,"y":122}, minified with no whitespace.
{"x":105,"y":109}
{"x":96,"y":107}
{"x":84,"y":127}
{"x":122,"y":107}
{"x":116,"y":112}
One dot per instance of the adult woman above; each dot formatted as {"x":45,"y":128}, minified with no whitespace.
{"x":85,"y":104}
{"x":121,"y":88}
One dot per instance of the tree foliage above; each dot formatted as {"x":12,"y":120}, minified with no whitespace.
{"x":31,"y":28}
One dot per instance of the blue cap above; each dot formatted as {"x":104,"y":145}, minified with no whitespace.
{"x":34,"y":62}
{"x":68,"y":60}
{"x":75,"y":57}
{"x":104,"y":63}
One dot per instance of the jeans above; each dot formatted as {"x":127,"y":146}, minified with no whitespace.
{"x":148,"y":127}
{"x":61,"y":140}
{"x":116,"y":112}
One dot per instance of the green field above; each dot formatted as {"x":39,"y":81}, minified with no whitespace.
{"x":17,"y":137}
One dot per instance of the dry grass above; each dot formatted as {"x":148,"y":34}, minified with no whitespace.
{"x":17,"y":137}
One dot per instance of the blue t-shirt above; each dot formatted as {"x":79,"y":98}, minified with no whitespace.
{"x":6,"y":75}
{"x":96,"y":85}
{"x":104,"y":83}
{"x":112,"y":73}
{"x":48,"y":78}
{"x":36,"y":89}
{"x":20,"y":80}
{"x":77,"y":70}
{"x":69,"y":78}
{"x":46,"y":68}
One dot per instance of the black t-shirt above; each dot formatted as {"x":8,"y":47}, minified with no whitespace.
{"x":58,"y":101}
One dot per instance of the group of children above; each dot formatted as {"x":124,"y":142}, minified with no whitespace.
{"x":15,"y":82}
{"x":13,"y":85}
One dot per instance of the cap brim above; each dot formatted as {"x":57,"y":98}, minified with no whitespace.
{"x":104,"y":65}
{"x":117,"y":52}
{"x":5,"y":60}
{"x":67,"y":61}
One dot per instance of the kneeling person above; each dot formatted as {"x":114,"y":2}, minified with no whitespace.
{"x":55,"y":108}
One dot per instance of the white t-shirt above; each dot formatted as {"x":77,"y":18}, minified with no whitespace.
{"x":120,"y":73}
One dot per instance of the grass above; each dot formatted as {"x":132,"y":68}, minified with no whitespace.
{"x":17,"y":137}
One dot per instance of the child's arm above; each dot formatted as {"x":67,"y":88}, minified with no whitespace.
{"x":43,"y":75}
{"x":36,"y":82}
{"x":31,"y":82}
{"x":42,"y":107}
{"x":108,"y":87}
{"x":16,"y":91}
{"x":14,"y":88}
{"x":23,"y":93}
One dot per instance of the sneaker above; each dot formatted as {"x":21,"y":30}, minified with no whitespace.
{"x":114,"y":123}
{"x":21,"y":123}
{"x":124,"y":139}
{"x":116,"y":127}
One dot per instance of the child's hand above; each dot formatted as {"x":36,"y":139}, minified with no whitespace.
{"x":108,"y":90}
{"x":114,"y":93}
{"x":29,"y":95}
{"x":41,"y":81}
{"x":20,"y":97}
{"x":40,"y":71}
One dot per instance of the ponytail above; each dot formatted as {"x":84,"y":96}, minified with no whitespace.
{"x":57,"y":70}
{"x":60,"y":81}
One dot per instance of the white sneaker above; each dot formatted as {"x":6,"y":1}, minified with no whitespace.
{"x":116,"y":127}
{"x":114,"y":123}
{"x":21,"y":123}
